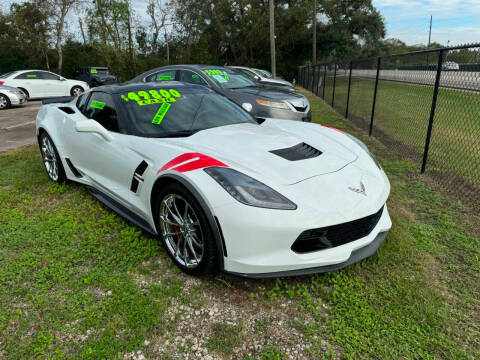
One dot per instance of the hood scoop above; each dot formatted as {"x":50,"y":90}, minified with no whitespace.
{"x":301,"y":151}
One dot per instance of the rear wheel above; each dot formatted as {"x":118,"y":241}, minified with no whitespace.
{"x":76,"y":91}
{"x":4,"y":102}
{"x":185,"y":230}
{"x":51,"y":159}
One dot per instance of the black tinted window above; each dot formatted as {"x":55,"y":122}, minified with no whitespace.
{"x":48,"y":76}
{"x":82,"y":99}
{"x":31,"y":75}
{"x":102,"y":109}
{"x":190,"y":77}
{"x":163,"y":112}
{"x":166,"y":75}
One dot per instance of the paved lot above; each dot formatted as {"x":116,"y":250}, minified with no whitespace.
{"x":17,"y":126}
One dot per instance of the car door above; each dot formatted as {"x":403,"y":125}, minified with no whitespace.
{"x":110,"y":165}
{"x":32,"y":82}
{"x":56,"y":85}
{"x":164,"y":75}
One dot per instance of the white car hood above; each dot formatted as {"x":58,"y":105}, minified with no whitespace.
{"x":246,"y":147}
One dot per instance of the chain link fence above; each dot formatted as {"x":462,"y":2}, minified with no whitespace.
{"x":425,"y":105}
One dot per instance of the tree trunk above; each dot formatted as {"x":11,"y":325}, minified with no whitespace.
{"x":168,"y":48}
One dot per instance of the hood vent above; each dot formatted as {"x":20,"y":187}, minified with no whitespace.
{"x":298,"y":152}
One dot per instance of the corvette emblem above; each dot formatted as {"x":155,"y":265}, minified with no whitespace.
{"x":359,"y":191}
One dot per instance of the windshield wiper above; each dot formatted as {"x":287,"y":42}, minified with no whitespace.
{"x":183,"y":133}
{"x":242,"y":87}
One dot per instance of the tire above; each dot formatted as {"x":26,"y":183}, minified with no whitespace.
{"x":4,"y":102}
{"x":76,"y":90}
{"x":51,"y":160}
{"x":187,"y":232}
{"x":25,"y":92}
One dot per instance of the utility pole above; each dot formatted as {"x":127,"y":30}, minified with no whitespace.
{"x":430,"y":33}
{"x":314,"y":25}
{"x":272,"y":39}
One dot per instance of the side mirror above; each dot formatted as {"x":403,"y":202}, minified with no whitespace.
{"x":62,"y":79}
{"x":91,"y":126}
{"x":257,"y":77}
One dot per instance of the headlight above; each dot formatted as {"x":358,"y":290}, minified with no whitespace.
{"x":277,"y":105}
{"x":364,"y":147}
{"x":249,"y":191}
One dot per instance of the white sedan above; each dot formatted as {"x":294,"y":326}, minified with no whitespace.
{"x":222,"y":191}
{"x":43,"y":84}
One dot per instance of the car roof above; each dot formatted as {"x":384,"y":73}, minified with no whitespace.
{"x":126,"y":87}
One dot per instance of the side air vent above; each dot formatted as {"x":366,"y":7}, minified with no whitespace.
{"x":73,"y":168}
{"x":67,"y":109}
{"x":298,"y":152}
{"x":138,"y":176}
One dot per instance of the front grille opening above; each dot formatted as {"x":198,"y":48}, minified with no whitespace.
{"x":299,"y":108}
{"x":298,"y":152}
{"x":335,"y":235}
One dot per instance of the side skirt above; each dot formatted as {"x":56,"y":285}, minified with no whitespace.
{"x":122,"y":210}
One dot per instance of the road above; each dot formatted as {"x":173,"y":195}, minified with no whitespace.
{"x":17,"y":126}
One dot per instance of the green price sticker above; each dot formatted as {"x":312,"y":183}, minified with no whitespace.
{"x":152,"y":96}
{"x":32,"y":76}
{"x":97,"y":105}
{"x":217,"y":73}
{"x":164,"y":77}
{"x":93,"y":71}
{"x":162,"y":111}
{"x":194,"y":76}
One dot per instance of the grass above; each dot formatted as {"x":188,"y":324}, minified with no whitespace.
{"x":402,"y":112}
{"x":76,"y":281}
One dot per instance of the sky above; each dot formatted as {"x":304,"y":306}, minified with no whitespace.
{"x":455,"y":22}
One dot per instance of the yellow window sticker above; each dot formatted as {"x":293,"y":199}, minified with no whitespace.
{"x":97,"y":104}
{"x":152,"y":96}
{"x":93,"y":71}
{"x":162,"y":111}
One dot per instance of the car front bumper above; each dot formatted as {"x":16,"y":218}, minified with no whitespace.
{"x":284,"y":114}
{"x":17,"y":99}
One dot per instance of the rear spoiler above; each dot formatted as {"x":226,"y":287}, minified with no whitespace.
{"x":58,"y":100}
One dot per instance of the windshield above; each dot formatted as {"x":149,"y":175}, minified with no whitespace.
{"x":179,"y":110}
{"x":263,"y":73}
{"x":228,"y":79}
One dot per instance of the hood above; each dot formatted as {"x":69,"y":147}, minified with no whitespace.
{"x":11,"y":88}
{"x":266,"y":92}
{"x":248,"y":148}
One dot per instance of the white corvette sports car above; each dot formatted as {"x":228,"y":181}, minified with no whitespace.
{"x":222,"y":190}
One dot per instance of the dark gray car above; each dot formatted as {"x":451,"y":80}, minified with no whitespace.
{"x":96,"y":76}
{"x":262,"y":101}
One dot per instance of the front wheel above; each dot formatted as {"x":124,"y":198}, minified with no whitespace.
{"x":76,"y":91}
{"x":51,"y":159}
{"x":185,"y":230}
{"x":4,"y":102}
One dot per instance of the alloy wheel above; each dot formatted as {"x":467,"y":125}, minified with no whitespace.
{"x":3,"y":102}
{"x":181,"y":231}
{"x":49,"y":158}
{"x":76,"y":91}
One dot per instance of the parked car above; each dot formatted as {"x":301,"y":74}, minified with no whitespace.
{"x":96,"y":76}
{"x":450,"y":65}
{"x":43,"y":84}
{"x":261,"y":101}
{"x":219,"y":190}
{"x":11,"y":96}
{"x":261,"y":79}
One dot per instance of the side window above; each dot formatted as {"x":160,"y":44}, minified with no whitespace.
{"x":31,"y":75}
{"x":190,"y":77}
{"x":82,"y":100}
{"x":166,"y":75}
{"x":101,"y":108}
{"x":48,"y":76}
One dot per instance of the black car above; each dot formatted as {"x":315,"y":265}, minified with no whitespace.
{"x":96,"y":76}
{"x":262,"y":101}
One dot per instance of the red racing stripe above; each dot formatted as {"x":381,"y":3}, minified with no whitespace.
{"x":340,"y":131}
{"x":198,"y":161}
